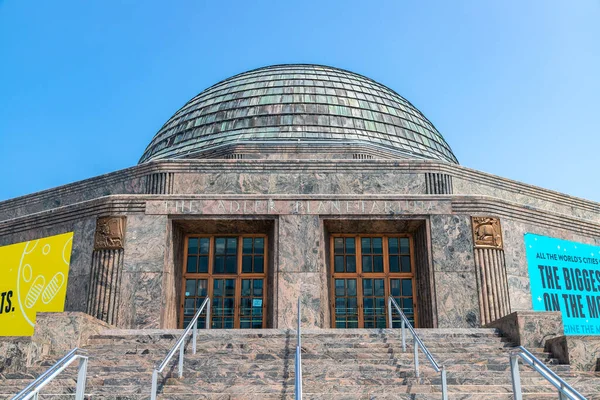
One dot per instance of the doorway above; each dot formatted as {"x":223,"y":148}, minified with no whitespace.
{"x":231,"y":270}
{"x":365,"y":271}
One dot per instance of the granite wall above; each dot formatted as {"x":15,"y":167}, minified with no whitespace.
{"x":453,"y":266}
{"x":424,"y":276}
{"x":149,"y":293}
{"x":309,"y":182}
{"x":300,"y":265}
{"x":144,"y":272}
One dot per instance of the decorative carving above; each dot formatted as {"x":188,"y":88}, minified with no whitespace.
{"x":487,"y":232}
{"x":110,"y":233}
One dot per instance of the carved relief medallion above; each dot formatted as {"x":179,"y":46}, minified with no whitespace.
{"x":110,"y":233}
{"x":487,"y":232}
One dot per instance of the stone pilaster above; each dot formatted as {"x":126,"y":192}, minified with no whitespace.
{"x":455,"y":282}
{"x":106,"y":269}
{"x":490,"y":269}
{"x":299,"y":275}
{"x":142,"y":298}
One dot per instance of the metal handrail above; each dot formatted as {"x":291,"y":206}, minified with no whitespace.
{"x":193,"y":325}
{"x":298,"y":363}
{"x":418,"y":343}
{"x":32,"y":390}
{"x":565,"y":391}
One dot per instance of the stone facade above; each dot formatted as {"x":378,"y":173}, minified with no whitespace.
{"x":296,"y":203}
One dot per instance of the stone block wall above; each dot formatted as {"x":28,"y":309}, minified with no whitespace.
{"x":393,"y":190}
{"x":453,"y":265}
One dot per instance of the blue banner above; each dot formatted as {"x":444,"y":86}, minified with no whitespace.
{"x":565,"y":277}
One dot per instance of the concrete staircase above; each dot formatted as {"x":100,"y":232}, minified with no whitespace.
{"x":337,"y":364}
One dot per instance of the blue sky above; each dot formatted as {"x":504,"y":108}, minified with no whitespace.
{"x":513,"y":85}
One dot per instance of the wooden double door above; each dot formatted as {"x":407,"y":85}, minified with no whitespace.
{"x":231,"y":270}
{"x":365,"y":271}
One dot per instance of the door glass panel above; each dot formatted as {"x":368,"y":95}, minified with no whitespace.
{"x":192,"y":264}
{"x":372,"y":255}
{"x":405,"y":263}
{"x":399,"y":255}
{"x":374,"y":303}
{"x":344,"y":255}
{"x":259,"y":245}
{"x":401,"y":291}
{"x":346,"y":308}
{"x":225,"y":255}
{"x":193,"y":246}
{"x":338,"y":245}
{"x":223,"y":303}
{"x":195,"y":294}
{"x":197,"y":261}
{"x":251,"y":305}
{"x":253,"y":259}
{"x":393,"y":246}
{"x":203,"y":264}
{"x":204,"y":245}
{"x":350,"y":246}
{"x":404,"y":246}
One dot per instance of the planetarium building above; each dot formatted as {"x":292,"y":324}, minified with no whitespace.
{"x":302,"y":182}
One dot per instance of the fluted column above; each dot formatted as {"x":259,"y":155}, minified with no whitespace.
{"x":106,"y":269}
{"x":490,"y":268}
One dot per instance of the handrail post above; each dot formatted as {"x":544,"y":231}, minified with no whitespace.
{"x":516,"y":378}
{"x":298,"y":363}
{"x":416,"y":357}
{"x":406,"y":324}
{"x":444,"y":384}
{"x":207,"y":324}
{"x":154,"y":384}
{"x":180,"y":344}
{"x":181,"y":352}
{"x":389,"y":303}
{"x":403,"y":325}
{"x":81,"y":377}
{"x":194,"y":337}
{"x":561,"y":392}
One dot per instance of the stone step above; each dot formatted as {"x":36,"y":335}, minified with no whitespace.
{"x":288,"y":395}
{"x":114,"y":340}
{"x":307,"y":344}
{"x":323,"y":332}
{"x":211,"y":368}
{"x":351,"y":386}
{"x":337,"y":364}
{"x":442,"y":358}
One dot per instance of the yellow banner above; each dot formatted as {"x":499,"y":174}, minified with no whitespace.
{"x":33,"y":277}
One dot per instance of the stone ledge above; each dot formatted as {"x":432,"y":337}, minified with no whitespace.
{"x":530,"y":329}
{"x":55,"y":334}
{"x":582,"y":353}
{"x":58,"y":333}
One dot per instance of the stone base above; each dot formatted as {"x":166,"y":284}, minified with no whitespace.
{"x":17,"y":353}
{"x":582,"y":353}
{"x":55,"y":335}
{"x":59,"y":333}
{"x":530,"y":328}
